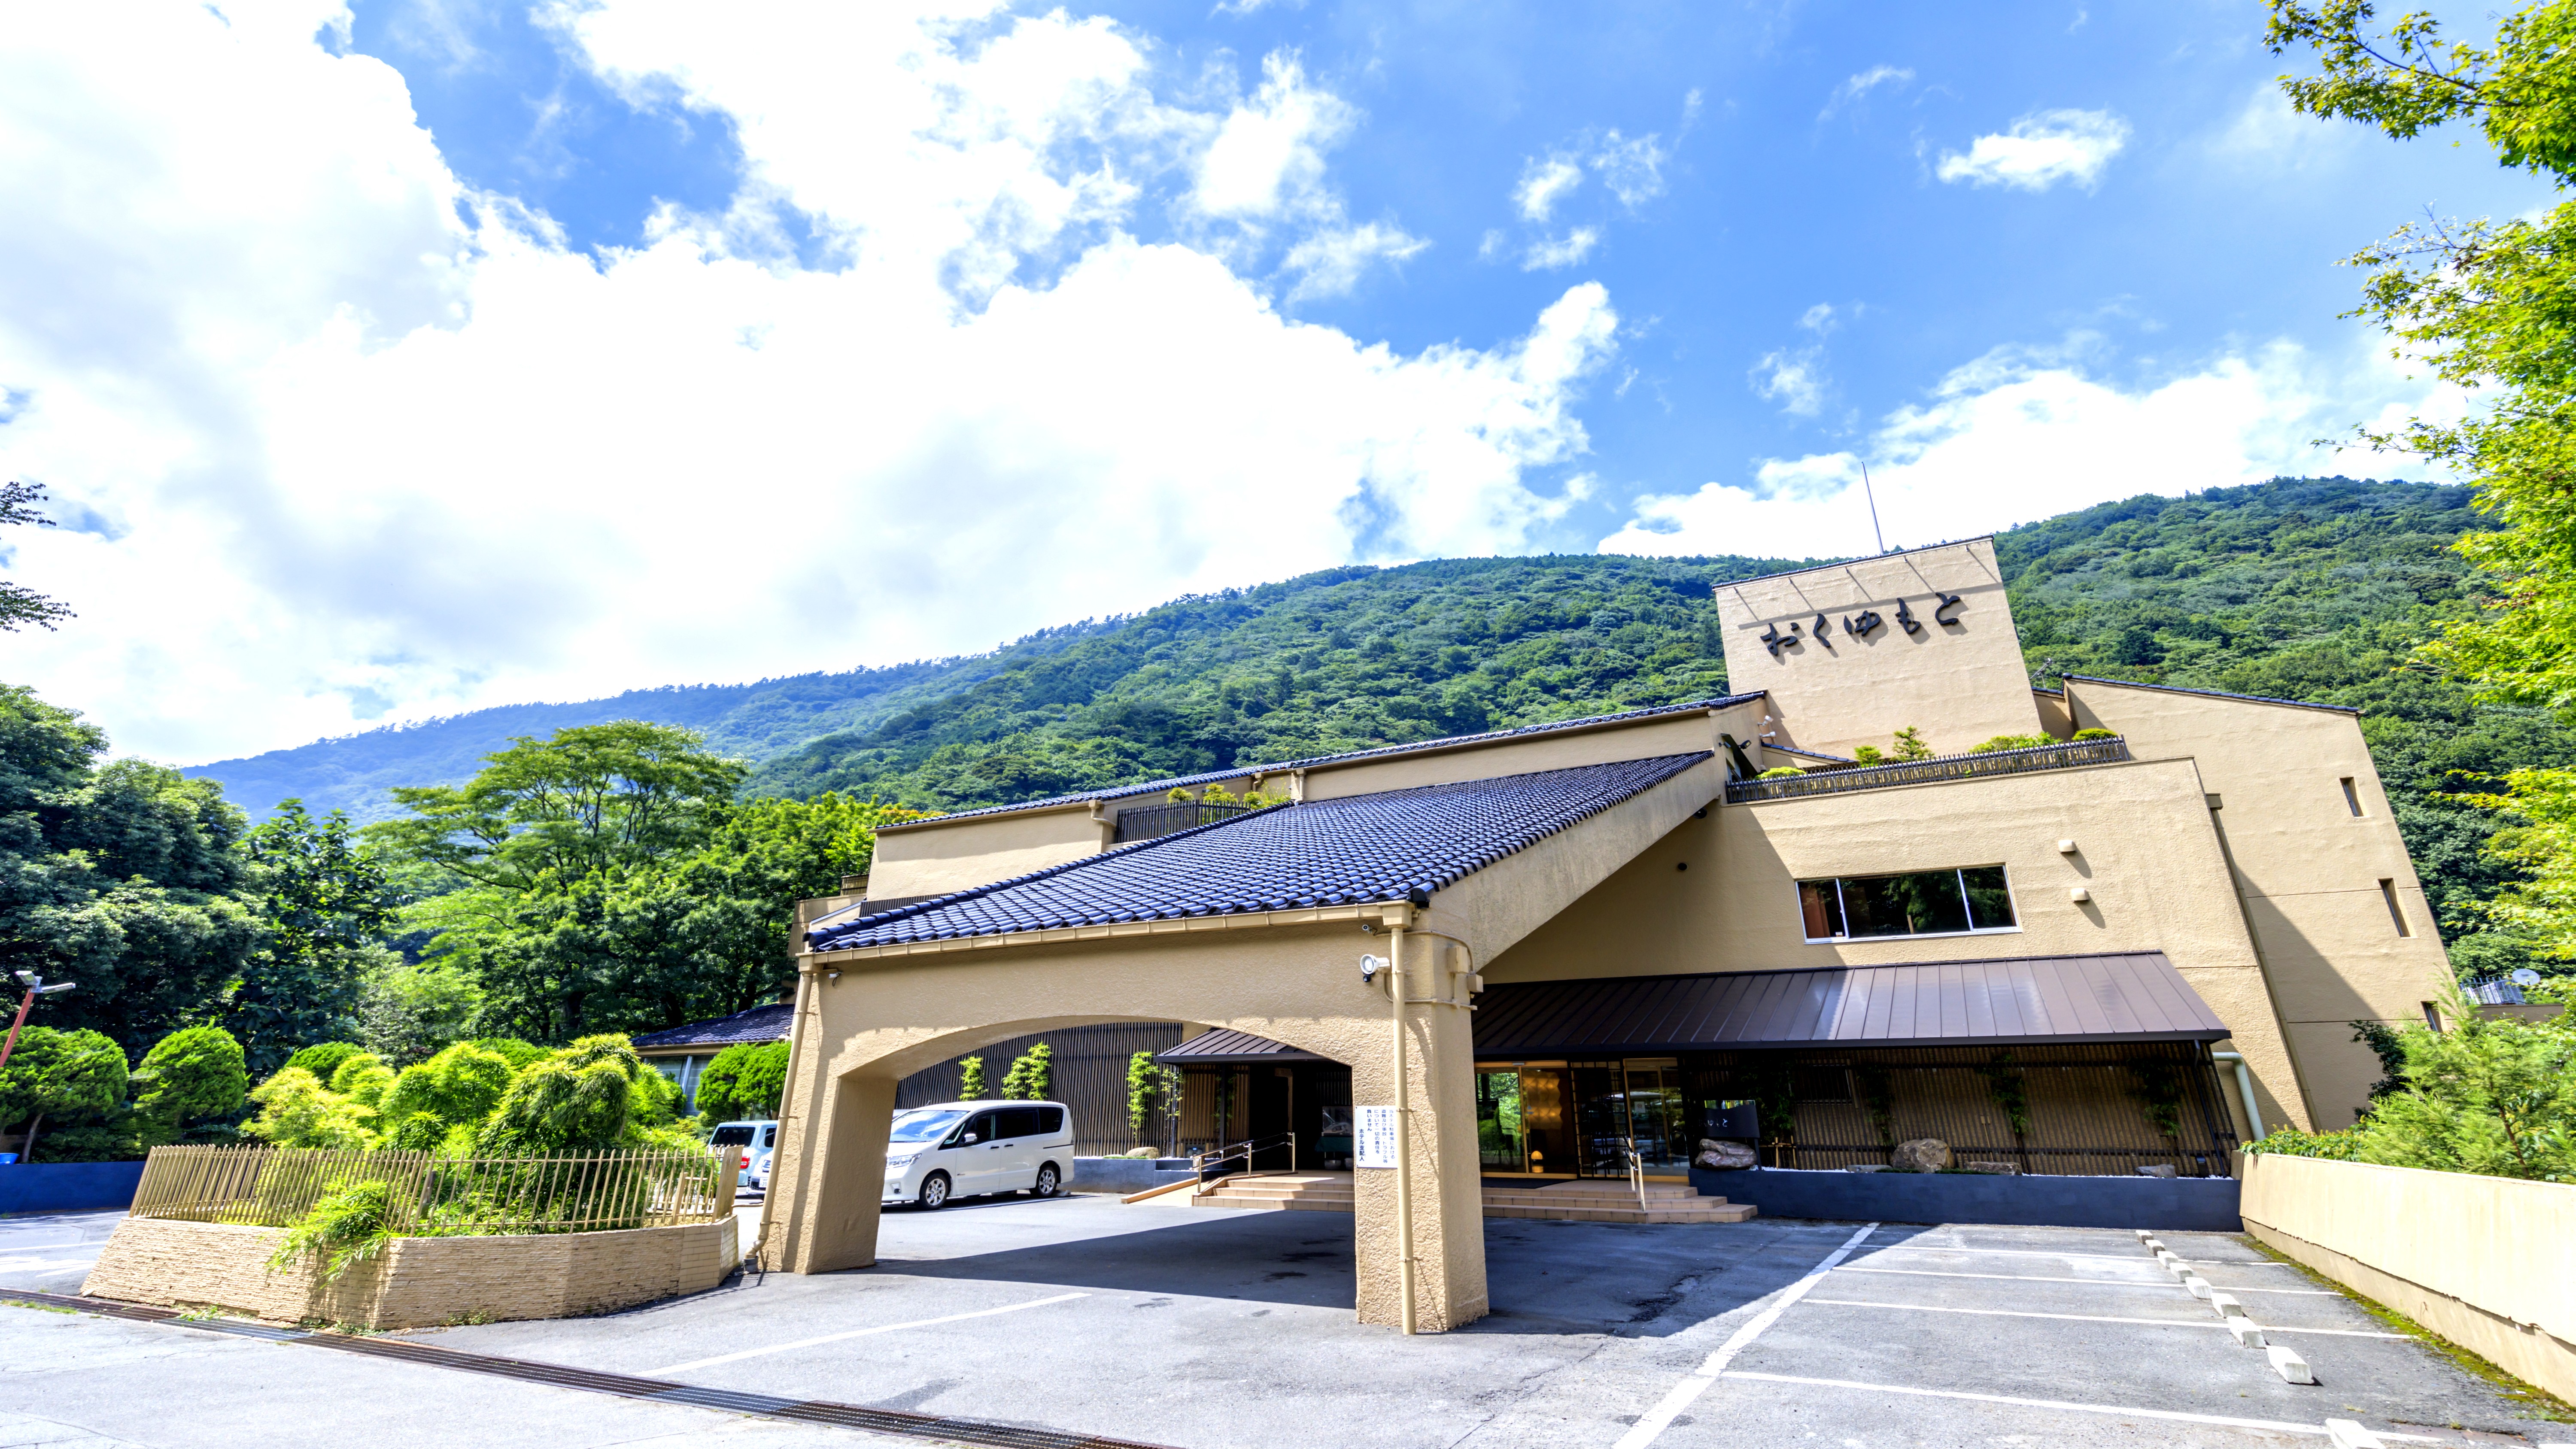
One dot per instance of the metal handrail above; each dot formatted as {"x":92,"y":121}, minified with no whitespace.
{"x":1201,"y":1162}
{"x":1920,"y":772}
{"x":1637,"y":1173}
{"x":1147,"y":822}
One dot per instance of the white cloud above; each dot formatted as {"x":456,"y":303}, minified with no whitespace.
{"x":2040,"y":150}
{"x":352,"y":449}
{"x":1329,"y":263}
{"x":1857,"y":88}
{"x":1269,"y":154}
{"x":2023,"y":434}
{"x":1542,"y":183}
{"x":1632,"y":169}
{"x":1549,"y":253}
{"x":2267,"y":134}
{"x":1793,"y":379}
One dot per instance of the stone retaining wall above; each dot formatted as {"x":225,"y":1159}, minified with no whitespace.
{"x":414,"y":1282}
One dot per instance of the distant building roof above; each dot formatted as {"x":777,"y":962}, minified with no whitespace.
{"x":1223,"y":1047}
{"x":2136,"y":996}
{"x":1210,"y":777}
{"x":2213,"y":693}
{"x":1376,"y":847}
{"x":758,"y":1025}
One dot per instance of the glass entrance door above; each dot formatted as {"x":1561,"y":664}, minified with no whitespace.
{"x":1501,"y":1145}
{"x":1658,"y":1117}
{"x":1520,"y":1119}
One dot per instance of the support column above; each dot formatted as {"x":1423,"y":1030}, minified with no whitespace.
{"x":829,"y":1171}
{"x":1448,"y":1219}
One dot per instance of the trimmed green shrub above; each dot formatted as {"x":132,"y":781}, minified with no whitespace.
{"x":344,"y":1229}
{"x":970,"y":1079}
{"x":2097,"y":734}
{"x":519,"y":1054}
{"x":324,"y":1058}
{"x":555,"y":1106}
{"x":744,"y":1081}
{"x":194,"y":1072}
{"x":2011,"y":742}
{"x":296,"y":1110}
{"x":71,"y":1078}
{"x":461,"y":1084}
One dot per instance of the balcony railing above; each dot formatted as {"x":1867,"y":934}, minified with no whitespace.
{"x":1147,"y":821}
{"x":1925,"y":772}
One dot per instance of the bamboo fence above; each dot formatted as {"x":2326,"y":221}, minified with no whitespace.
{"x":275,"y":1187}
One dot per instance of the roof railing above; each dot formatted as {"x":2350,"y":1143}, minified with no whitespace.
{"x":1925,"y":772}
{"x":1148,"y":821}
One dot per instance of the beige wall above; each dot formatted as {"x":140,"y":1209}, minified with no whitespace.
{"x":2486,"y":1262}
{"x":2146,"y":851}
{"x":933,"y":860}
{"x":2307,"y":869}
{"x":415,"y":1282}
{"x":1961,"y":683}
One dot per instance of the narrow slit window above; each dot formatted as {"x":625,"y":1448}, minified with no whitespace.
{"x":2351,"y":796}
{"x":2396,"y":912}
{"x":2433,"y":1017}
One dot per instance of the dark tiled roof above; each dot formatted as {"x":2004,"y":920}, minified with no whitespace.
{"x":2214,"y":694}
{"x":2107,"y":998}
{"x":1224,"y":1047}
{"x":758,"y":1025}
{"x":1211,"y":777}
{"x":1320,"y":853}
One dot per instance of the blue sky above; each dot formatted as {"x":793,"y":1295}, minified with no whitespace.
{"x":426,"y":354}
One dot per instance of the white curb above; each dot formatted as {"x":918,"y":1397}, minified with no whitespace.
{"x":2198,"y":1286}
{"x":2345,"y":1434}
{"x":2247,"y":1332}
{"x":2227,"y":1307}
{"x":2291,"y":1366}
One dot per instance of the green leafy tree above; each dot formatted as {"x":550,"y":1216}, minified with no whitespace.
{"x":1031,"y":1076}
{"x":575,"y":1101}
{"x":2484,"y":1096}
{"x":459,"y":1086}
{"x":18,"y":603}
{"x":324,"y":903}
{"x":745,"y":1081}
{"x":63,"y":1075}
{"x":297,"y":1110}
{"x":323,"y":1058}
{"x":970,"y":1079}
{"x":410,"y":1010}
{"x":123,"y":877}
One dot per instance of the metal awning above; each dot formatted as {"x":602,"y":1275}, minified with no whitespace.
{"x":1223,"y":1048}
{"x":2126,"y":997}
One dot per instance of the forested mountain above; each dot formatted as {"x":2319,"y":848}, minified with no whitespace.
{"x":2313,"y":589}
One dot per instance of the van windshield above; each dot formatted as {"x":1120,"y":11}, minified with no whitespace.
{"x":923,"y":1125}
{"x":732,"y":1134}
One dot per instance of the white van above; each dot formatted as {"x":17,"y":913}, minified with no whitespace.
{"x":966,"y":1149}
{"x":755,"y":1141}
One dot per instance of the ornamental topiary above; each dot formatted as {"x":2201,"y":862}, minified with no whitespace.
{"x":744,"y":1081}
{"x":194,"y":1072}
{"x":461,"y":1084}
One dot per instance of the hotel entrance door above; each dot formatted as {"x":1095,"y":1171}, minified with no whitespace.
{"x":1520,"y":1119}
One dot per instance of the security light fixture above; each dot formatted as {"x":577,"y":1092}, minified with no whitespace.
{"x":1369,"y":967}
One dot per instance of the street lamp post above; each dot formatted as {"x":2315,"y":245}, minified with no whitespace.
{"x":36,"y":987}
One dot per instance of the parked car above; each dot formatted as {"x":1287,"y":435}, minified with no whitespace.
{"x":969,"y":1149}
{"x":756,"y":1141}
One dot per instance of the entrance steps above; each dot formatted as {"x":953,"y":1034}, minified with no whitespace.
{"x":1582,"y":1201}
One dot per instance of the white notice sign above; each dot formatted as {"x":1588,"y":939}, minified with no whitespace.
{"x":1376,"y":1137}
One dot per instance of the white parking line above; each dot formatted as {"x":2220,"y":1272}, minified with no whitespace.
{"x":2096,"y":1282}
{"x":2175,"y":1415}
{"x":1659,"y":1418}
{"x":699,"y":1363}
{"x":2093,"y":1318}
{"x":2093,"y":1257}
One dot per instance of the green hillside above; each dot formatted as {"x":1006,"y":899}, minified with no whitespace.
{"x":2312,"y":589}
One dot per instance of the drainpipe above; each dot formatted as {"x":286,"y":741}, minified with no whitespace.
{"x":1403,"y":1143}
{"x":2245,"y":1085}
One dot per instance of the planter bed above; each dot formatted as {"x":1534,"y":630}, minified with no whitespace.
{"x":1123,"y":1175}
{"x":413,"y":1282}
{"x":2180,"y":1204}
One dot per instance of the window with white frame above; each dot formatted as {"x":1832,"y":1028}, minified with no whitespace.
{"x":1966,"y":901}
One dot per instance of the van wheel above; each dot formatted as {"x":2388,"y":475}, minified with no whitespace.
{"x":1047,"y":1181}
{"x":934,"y":1192}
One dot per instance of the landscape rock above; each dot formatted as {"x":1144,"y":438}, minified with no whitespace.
{"x":1723,"y":1156}
{"x":2161,"y":1169}
{"x":1999,"y":1169}
{"x":1923,"y":1154}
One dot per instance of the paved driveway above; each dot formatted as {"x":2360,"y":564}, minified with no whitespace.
{"x":1200,"y":1328}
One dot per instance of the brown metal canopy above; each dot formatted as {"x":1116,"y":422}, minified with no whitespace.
{"x":1223,"y":1048}
{"x":2125,"y":997}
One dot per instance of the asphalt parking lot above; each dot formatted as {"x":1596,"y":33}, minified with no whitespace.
{"x":1203,"y":1328}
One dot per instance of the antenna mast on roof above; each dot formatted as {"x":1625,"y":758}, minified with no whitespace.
{"x":1870,"y":494}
